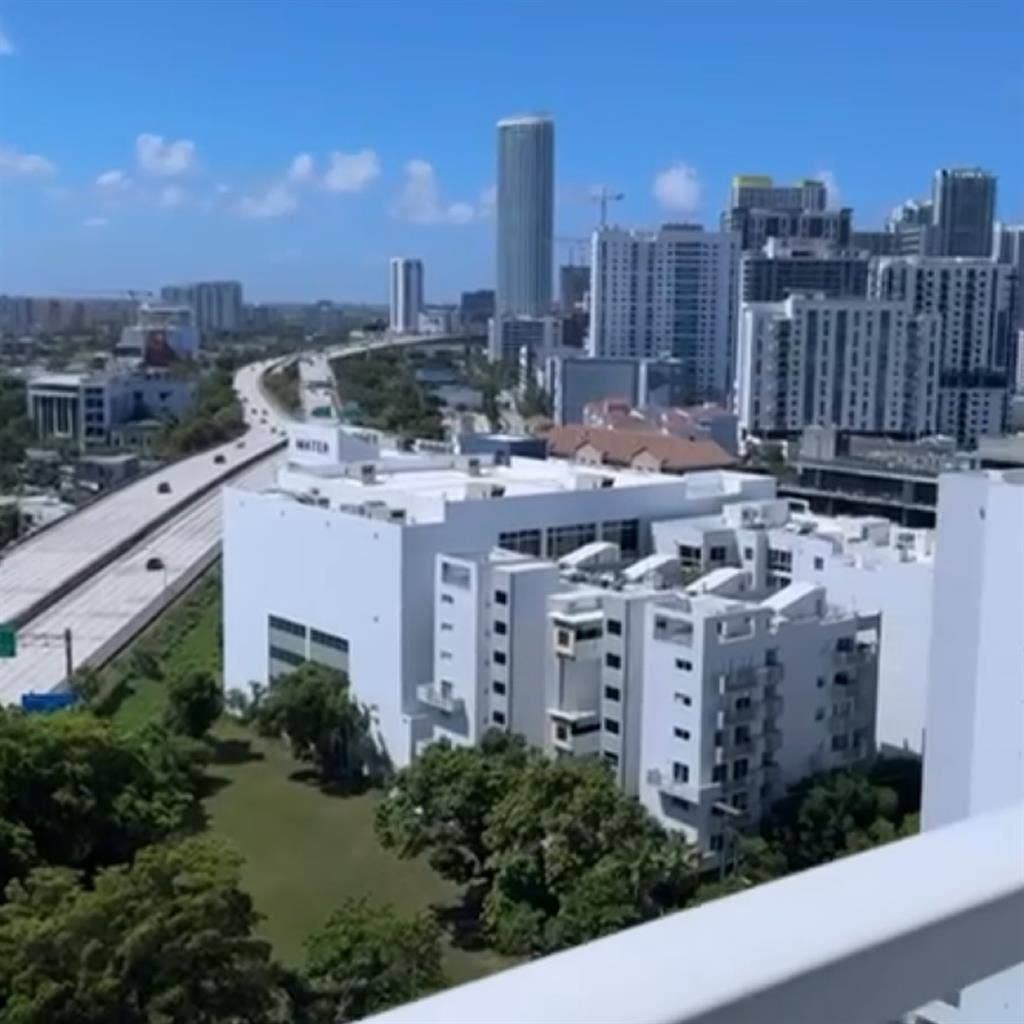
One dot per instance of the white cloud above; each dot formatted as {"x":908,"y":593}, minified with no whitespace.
{"x":275,"y":201}
{"x":172,"y":196}
{"x":95,"y":222}
{"x":420,"y":202}
{"x":164,"y":158}
{"x":488,"y":200}
{"x":350,"y":172}
{"x":677,"y":188}
{"x":24,"y":165}
{"x":302,"y":169}
{"x":113,"y":181}
{"x":831,"y":187}
{"x":6,"y":46}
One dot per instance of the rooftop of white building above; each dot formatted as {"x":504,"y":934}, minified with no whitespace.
{"x":422,"y":484}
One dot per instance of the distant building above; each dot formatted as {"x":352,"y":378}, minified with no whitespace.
{"x":972,"y":299}
{"x":525,"y":342}
{"x":573,"y":288}
{"x":438,"y":320}
{"x":88,"y":407}
{"x":160,"y":335}
{"x":101,"y":472}
{"x":759,"y":192}
{"x":964,"y":204}
{"x":642,"y":450}
{"x":572,"y":381}
{"x":406,"y":295}
{"x":698,"y":422}
{"x":476,"y":308}
{"x":784,"y":268}
{"x":503,"y":446}
{"x":667,"y":294}
{"x":865,"y":366}
{"x":216,"y":305}
{"x":525,"y":215}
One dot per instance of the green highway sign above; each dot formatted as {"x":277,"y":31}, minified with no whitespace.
{"x":8,"y":642}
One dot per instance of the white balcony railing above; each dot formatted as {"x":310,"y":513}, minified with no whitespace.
{"x":859,"y":941}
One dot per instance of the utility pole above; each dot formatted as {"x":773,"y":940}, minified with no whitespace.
{"x":603,"y":196}
{"x":69,"y":661}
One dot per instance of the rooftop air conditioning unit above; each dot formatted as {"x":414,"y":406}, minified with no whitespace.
{"x":473,"y":465}
{"x":368,"y":473}
{"x":498,"y":491}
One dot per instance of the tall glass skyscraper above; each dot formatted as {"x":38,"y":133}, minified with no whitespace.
{"x":964,"y":205}
{"x":526,"y":184}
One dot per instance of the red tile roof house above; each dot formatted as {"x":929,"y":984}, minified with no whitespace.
{"x":636,"y":449}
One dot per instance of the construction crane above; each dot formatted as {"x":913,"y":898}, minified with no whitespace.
{"x":603,"y":196}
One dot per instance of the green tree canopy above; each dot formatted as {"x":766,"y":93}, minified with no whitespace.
{"x":556,"y":853}
{"x":367,"y":958}
{"x":440,"y":804}
{"x":313,"y":708}
{"x":195,"y":702}
{"x":168,"y":940}
{"x":76,"y":792}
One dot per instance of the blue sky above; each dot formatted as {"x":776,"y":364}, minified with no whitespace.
{"x":296,"y":146}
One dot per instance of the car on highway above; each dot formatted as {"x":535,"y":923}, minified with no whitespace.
{"x":163,"y":487}
{"x":239,"y":444}
{"x":219,"y":458}
{"x":154,"y":564}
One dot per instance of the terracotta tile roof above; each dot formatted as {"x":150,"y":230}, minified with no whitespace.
{"x":621,"y":447}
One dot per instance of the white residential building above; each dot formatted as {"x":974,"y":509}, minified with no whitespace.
{"x":973,"y":298}
{"x":406,"y":295}
{"x":160,"y":335}
{"x":669,"y":293}
{"x":974,"y":761}
{"x":342,"y":556}
{"x":746,"y":697}
{"x":869,"y":366}
{"x":865,"y":564}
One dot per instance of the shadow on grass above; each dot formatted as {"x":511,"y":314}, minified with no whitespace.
{"x":461,"y":920}
{"x":232,"y":751}
{"x":311,"y":777}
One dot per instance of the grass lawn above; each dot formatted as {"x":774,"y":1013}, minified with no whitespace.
{"x":305,"y":851}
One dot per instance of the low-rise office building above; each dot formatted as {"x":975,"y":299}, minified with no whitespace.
{"x":339,"y":560}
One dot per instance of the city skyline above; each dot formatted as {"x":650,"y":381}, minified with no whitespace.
{"x":294,"y":176}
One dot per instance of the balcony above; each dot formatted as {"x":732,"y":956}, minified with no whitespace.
{"x":865,"y":938}
{"x":738,"y":679}
{"x":772,"y":740}
{"x":440,"y":698}
{"x":739,"y":716}
{"x":665,"y":782}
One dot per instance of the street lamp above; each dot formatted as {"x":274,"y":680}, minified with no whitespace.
{"x":729,"y":814}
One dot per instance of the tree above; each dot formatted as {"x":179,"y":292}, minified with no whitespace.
{"x":195,"y":702}
{"x":167,"y":939}
{"x":367,"y":958}
{"x":439,"y":805}
{"x":574,"y":858}
{"x":75,"y":792}
{"x":554,"y":853}
{"x":314,"y":709}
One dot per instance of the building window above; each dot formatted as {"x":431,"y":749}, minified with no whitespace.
{"x":563,"y":539}
{"x":717,"y":554}
{"x":611,"y":758}
{"x":561,"y":731}
{"x":680,"y":733}
{"x":739,"y":768}
{"x":718,"y":773}
{"x":682,"y":698}
{"x":611,"y":725}
{"x":526,"y":542}
{"x":742,"y":703}
{"x":612,"y":693}
{"x":455,"y":575}
{"x":612,"y":660}
{"x":683,"y":664}
{"x":615,"y":627}
{"x":288,"y":657}
{"x":583,"y":730}
{"x":500,"y":628}
{"x":680,"y":772}
{"x":500,"y":597}
{"x":771,"y":656}
{"x":748,"y":554}
{"x":819,"y":715}
{"x":335,"y":643}
{"x":819,"y":563}
{"x":739,"y":800}
{"x":840,"y":741}
{"x":447,"y":599}
{"x":715,"y":844}
{"x":287,"y":626}
{"x":821,"y":683}
{"x":497,"y":686}
{"x":498,"y":717}
{"x":719,"y":737}
{"x":625,"y":533}
{"x":690,"y":557}
{"x":499,"y":658}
